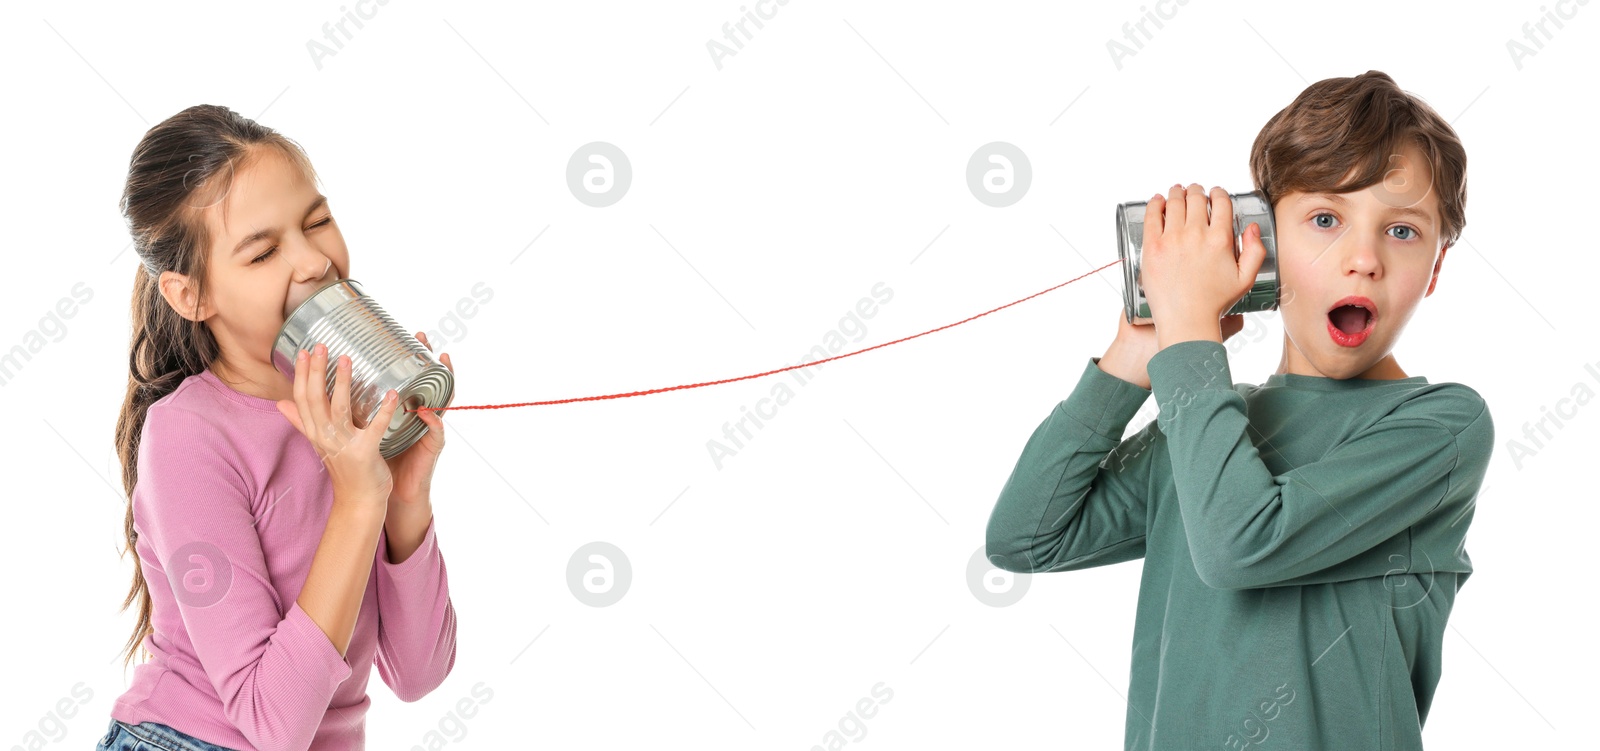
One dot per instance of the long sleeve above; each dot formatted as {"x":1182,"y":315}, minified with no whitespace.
{"x":416,"y":620}
{"x":1077,"y":498}
{"x":271,"y":666}
{"x":1248,"y":528}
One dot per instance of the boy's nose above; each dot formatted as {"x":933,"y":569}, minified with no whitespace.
{"x":1360,"y":255}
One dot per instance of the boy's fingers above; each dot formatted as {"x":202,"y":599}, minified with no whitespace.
{"x":1177,"y":203}
{"x":1221,"y":212}
{"x":1253,"y":252}
{"x":1194,"y":197}
{"x":1153,"y":221}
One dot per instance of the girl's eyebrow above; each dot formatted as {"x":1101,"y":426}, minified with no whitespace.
{"x":264,"y":234}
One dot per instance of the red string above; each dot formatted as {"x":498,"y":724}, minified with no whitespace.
{"x":770,"y":372}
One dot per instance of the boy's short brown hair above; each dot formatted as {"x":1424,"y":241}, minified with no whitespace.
{"x":1351,"y":126}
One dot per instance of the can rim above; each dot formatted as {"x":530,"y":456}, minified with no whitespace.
{"x":1124,"y":241}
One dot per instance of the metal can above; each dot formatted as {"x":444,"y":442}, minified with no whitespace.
{"x":382,"y":355}
{"x":1247,"y":208}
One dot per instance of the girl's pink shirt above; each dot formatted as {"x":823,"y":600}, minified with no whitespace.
{"x":229,"y":508}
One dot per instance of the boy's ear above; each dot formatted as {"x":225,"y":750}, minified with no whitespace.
{"x":1434,"y":282}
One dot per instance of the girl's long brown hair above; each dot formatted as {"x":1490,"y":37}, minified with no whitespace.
{"x":181,"y":167}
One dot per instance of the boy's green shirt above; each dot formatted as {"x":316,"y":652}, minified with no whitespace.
{"x":1303,"y":543}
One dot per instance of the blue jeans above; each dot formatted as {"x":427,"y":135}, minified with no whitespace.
{"x":150,"y":736}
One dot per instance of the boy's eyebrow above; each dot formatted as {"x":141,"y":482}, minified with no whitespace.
{"x":1402,"y":210}
{"x":263,"y":234}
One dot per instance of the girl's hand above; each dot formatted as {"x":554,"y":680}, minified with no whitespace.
{"x":349,"y":453}
{"x":413,"y":468}
{"x":1188,"y":269}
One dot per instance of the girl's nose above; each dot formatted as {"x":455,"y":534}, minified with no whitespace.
{"x":310,"y":264}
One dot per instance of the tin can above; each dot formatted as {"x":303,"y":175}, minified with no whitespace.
{"x":1247,"y":208}
{"x":382,"y":355}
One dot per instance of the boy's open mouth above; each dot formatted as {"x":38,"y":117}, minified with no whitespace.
{"x":1351,"y":319}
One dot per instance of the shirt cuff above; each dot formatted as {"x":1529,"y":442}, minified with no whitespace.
{"x":304,"y":638}
{"x":427,"y":549}
{"x":1103,"y":402}
{"x":1186,"y":370}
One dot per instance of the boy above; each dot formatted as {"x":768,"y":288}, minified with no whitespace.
{"x":1303,"y":540}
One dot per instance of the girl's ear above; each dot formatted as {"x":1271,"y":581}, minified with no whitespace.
{"x":180,"y":294}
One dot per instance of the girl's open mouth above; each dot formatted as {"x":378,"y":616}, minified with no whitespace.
{"x":1351,"y":320}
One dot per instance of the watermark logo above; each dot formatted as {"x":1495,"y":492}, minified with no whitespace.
{"x":52,"y":726}
{"x":199,"y":573}
{"x":1398,"y":581}
{"x":998,"y":174}
{"x":852,"y":327}
{"x":852,"y":726}
{"x":1565,"y":10}
{"x":1165,"y":10}
{"x":598,"y":174}
{"x":52,"y":327}
{"x":452,"y":325}
{"x":1538,"y":434}
{"x":1255,"y":731}
{"x":336,"y":33}
{"x":736,"y":33}
{"x":599,"y":574}
{"x":452,"y":727}
{"x":994,"y":586}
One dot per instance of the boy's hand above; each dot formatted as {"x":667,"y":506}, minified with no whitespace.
{"x":1188,"y":270}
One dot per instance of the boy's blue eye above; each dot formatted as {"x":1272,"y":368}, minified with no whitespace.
{"x":1320,"y":225}
{"x":274,"y":249}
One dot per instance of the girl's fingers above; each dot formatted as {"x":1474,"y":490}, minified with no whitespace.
{"x":341,"y":394}
{"x":289,"y":410}
{"x":380,"y":422}
{"x":302,"y":376}
{"x":435,"y":422}
{"x":317,"y":389}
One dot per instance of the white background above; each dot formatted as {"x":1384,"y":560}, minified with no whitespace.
{"x":827,"y":155}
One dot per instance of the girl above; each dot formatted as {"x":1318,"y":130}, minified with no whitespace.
{"x":279,"y":555}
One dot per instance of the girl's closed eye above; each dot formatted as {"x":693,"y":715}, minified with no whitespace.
{"x":274,"y":249}
{"x":1413,"y":232}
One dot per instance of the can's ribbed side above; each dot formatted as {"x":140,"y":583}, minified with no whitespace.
{"x":382,"y":355}
{"x":372,"y":340}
